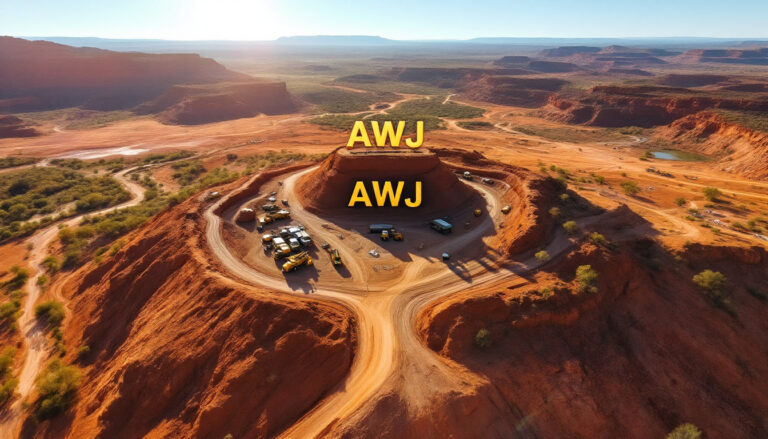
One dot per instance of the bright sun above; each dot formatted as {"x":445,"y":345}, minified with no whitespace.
{"x":232,"y":19}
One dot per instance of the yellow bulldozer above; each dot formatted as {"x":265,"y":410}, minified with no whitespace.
{"x":296,"y":261}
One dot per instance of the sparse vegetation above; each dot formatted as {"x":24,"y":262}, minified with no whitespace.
{"x":12,"y":162}
{"x":475,"y":125}
{"x":542,"y":256}
{"x":57,"y":386}
{"x":52,"y":311}
{"x":599,"y":240}
{"x":685,"y":431}
{"x":483,"y":339}
{"x":711,"y":193}
{"x":555,"y":212}
{"x":9,"y":382}
{"x":335,"y":100}
{"x":680,"y":201}
{"x":629,"y":187}
{"x":571,"y":227}
{"x":586,"y":278}
{"x":44,"y":191}
{"x":714,"y":283}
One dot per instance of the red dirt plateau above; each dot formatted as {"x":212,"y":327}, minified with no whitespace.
{"x":178,"y":350}
{"x":330,"y":186}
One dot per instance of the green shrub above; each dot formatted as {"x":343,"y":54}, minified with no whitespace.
{"x":57,"y":386}
{"x":52,"y":311}
{"x":630,"y":187}
{"x":714,"y":283}
{"x":680,"y":201}
{"x":587,"y":279}
{"x":571,"y":227}
{"x":599,"y":240}
{"x":555,"y":212}
{"x":20,"y":276}
{"x":711,"y":193}
{"x":542,"y":256}
{"x":685,"y":431}
{"x":483,"y":339}
{"x":9,"y":383}
{"x":51,"y":264}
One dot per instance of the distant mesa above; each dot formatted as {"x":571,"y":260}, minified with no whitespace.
{"x":511,"y":60}
{"x":505,"y":90}
{"x":199,"y":104}
{"x":632,"y":72}
{"x":184,"y":88}
{"x":12,"y":126}
{"x":758,"y":56}
{"x":552,"y":66}
{"x":562,"y":52}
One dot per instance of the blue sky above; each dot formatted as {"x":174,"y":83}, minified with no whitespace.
{"x":448,"y":19}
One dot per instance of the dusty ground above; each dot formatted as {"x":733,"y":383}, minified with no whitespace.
{"x":392,"y":365}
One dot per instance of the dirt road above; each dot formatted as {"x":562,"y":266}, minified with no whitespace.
{"x":37,"y":348}
{"x":388,"y":347}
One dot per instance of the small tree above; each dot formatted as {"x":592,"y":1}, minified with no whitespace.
{"x":598,"y":240}
{"x":52,"y":311}
{"x":57,"y":385}
{"x":542,"y":256}
{"x":483,"y":339}
{"x":629,"y":187}
{"x":685,"y":431}
{"x":587,"y":279}
{"x":680,"y":201}
{"x":711,"y":193}
{"x":713,"y":283}
{"x":571,"y":227}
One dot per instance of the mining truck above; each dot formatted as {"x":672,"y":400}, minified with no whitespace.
{"x":334,"y":254}
{"x":441,"y":226}
{"x":296,"y":261}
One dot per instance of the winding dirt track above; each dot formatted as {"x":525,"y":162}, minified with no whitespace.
{"x":34,"y":332}
{"x":387,"y":341}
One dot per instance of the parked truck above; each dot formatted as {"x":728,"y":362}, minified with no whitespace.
{"x":296,"y":261}
{"x":441,"y":226}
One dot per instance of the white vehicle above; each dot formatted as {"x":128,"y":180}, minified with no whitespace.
{"x":304,"y":238}
{"x":271,"y":199}
{"x":293,"y":243}
{"x":278,"y":240}
{"x":293,"y":230}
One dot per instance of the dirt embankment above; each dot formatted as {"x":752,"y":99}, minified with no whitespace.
{"x":329,"y":187}
{"x":199,"y":104}
{"x":644,"y":354}
{"x":177,"y":350}
{"x":738,"y":148}
{"x":644,"y":106}
{"x":529,"y":224}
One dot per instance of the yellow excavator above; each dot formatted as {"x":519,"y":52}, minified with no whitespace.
{"x":296,"y":261}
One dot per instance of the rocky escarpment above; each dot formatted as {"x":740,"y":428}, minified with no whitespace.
{"x":178,"y":350}
{"x":645,"y":353}
{"x":739,"y":149}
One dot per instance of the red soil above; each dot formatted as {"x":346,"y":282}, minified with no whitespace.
{"x":644,"y":354}
{"x":177,"y":350}
{"x":740,"y":149}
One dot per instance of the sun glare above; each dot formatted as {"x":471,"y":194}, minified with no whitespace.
{"x":231,"y":19}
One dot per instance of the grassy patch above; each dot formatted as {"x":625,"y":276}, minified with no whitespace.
{"x":57,"y":386}
{"x":334,"y":100}
{"x":753,"y":120}
{"x":43,"y":191}
{"x":12,"y":162}
{"x":435,"y":107}
{"x":477,"y":125}
{"x":570,"y":134}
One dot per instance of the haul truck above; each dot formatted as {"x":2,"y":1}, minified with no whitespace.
{"x":441,"y":226}
{"x":296,"y":261}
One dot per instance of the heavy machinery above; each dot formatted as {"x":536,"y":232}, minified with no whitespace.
{"x":293,"y":243}
{"x":269,"y":207}
{"x":488,"y":181}
{"x":296,"y":261}
{"x":267,"y":240}
{"x":506,"y":209}
{"x":467,"y":176}
{"x":281,"y":248}
{"x":271,"y":217}
{"x":441,"y":226}
{"x":384,"y":235}
{"x":395,"y":234}
{"x":334,"y":254}
{"x":378,"y":228}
